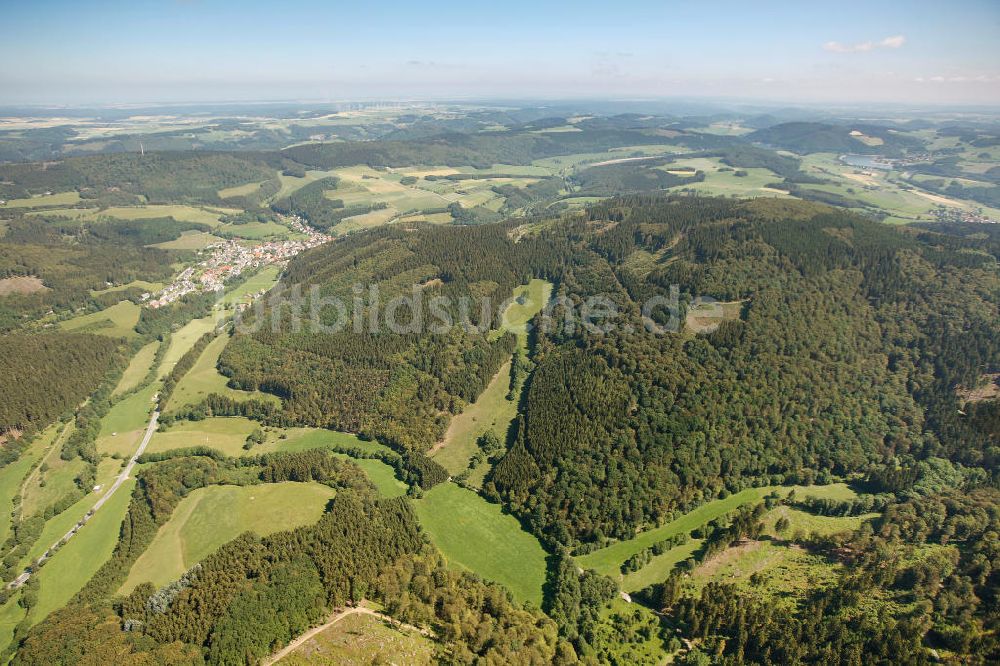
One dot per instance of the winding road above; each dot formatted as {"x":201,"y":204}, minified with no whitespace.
{"x":102,"y":500}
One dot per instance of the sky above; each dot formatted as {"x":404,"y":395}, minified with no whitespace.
{"x":140,"y":51}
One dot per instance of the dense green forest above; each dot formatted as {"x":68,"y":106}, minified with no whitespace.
{"x":396,"y":387}
{"x":36,"y":388}
{"x":158,"y":177}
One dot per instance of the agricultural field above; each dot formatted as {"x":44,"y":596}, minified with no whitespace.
{"x":360,"y":639}
{"x":122,"y":427}
{"x":45,"y":200}
{"x":116,"y":321}
{"x":721,"y":180}
{"x":184,"y":339}
{"x":209,"y":517}
{"x":479,"y":536}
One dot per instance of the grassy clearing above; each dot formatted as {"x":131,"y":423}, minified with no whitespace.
{"x":204,"y":378}
{"x":225,"y":434}
{"x":131,"y":413}
{"x":721,"y":180}
{"x":117,"y":321}
{"x":184,"y":339}
{"x":290,"y":184}
{"x":189,"y":240}
{"x":10,"y":615}
{"x":209,"y":517}
{"x":260,"y":281}
{"x":49,"y":486}
{"x":802,"y":522}
{"x":21,"y":285}
{"x":228,"y":434}
{"x":202,"y":215}
{"x":361,"y":640}
{"x":491,"y":411}
{"x":478,"y":536}
{"x":122,"y":427}
{"x":142,"y":284}
{"x":382,"y":475}
{"x":256,"y":230}
{"x":786,"y":571}
{"x":137,"y":368}
{"x":45,"y":200}
{"x":239,"y":190}
{"x":528,"y":300}
{"x":659,"y":567}
{"x":807,"y":523}
{"x":12,"y":475}
{"x":73,"y":565}
{"x":375,"y":218}
{"x":608,"y":560}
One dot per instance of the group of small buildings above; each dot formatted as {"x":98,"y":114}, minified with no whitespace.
{"x":230,"y":258}
{"x":952,"y":214}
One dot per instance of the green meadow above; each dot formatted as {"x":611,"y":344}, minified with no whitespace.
{"x":209,"y":517}
{"x":659,"y":567}
{"x":73,"y":565}
{"x":528,"y":300}
{"x":204,"y":378}
{"x":184,"y":339}
{"x":491,"y":411}
{"x":45,"y":200}
{"x":478,"y":536}
{"x":137,"y":368}
{"x":262,"y":280}
{"x":189,"y":240}
{"x":116,"y":321}
{"x":228,"y":435}
{"x":608,"y":560}
{"x":13,"y":475}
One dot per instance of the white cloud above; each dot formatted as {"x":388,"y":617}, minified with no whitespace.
{"x":892,"y":42}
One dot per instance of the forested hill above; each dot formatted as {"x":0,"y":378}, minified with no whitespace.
{"x":842,"y":347}
{"x":840,"y":351}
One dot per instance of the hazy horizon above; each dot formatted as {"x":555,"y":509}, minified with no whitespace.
{"x":111,"y":53}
